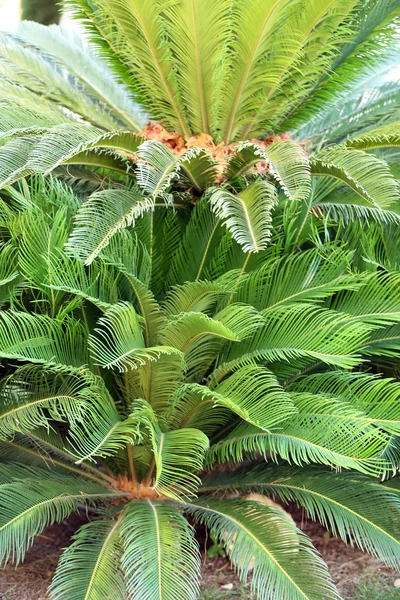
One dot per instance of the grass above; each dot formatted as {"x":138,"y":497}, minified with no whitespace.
{"x":369,"y":589}
{"x":375,"y":589}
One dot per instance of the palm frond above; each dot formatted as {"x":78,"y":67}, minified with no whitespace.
{"x":104,"y":214}
{"x":28,"y":507}
{"x":247,"y":215}
{"x":160,"y":555}
{"x":286,"y":565}
{"x":91,"y":566}
{"x":118,"y":341}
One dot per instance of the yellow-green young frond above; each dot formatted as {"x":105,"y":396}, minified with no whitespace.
{"x":252,"y":393}
{"x":91,"y":567}
{"x":101,"y":217}
{"x":264,"y":39}
{"x":387,"y":136}
{"x":199,"y":33}
{"x":179,"y":456}
{"x":27,"y":507}
{"x":156,"y":381}
{"x":286,"y":565}
{"x":194,"y":296}
{"x":247,"y":215}
{"x":118,"y":341}
{"x":358,"y":509}
{"x":92,"y":74}
{"x":160,"y":555}
{"x":9,"y":275}
{"x":133,"y":30}
{"x":368,"y":176}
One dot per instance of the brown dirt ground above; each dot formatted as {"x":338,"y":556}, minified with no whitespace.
{"x":30,"y":581}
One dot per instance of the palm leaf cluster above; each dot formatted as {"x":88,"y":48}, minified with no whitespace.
{"x":197,"y":311}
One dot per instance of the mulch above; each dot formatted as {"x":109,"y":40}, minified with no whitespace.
{"x":347,"y":565}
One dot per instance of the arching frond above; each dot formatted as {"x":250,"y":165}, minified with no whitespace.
{"x":102,"y":216}
{"x":160,"y":555}
{"x":368,"y":176}
{"x":91,"y":566}
{"x":28,"y":507}
{"x":93,"y":74}
{"x":178,"y":456}
{"x":247,"y":215}
{"x":303,"y":332}
{"x":40,"y":339}
{"x":286,"y":565}
{"x":118,"y":341}
{"x":30,"y":398}
{"x":194,"y":296}
{"x":306,"y":277}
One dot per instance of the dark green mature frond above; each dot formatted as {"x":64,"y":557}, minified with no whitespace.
{"x":354,"y":507}
{"x":160,"y":555}
{"x":247,"y":215}
{"x":91,"y":566}
{"x":27,"y":507}
{"x":286,"y":565}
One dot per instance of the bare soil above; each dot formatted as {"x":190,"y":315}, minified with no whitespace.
{"x":31,"y":580}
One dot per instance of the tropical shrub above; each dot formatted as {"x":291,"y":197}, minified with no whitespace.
{"x":189,"y":311}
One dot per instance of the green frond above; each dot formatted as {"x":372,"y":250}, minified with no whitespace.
{"x":40,"y":339}
{"x":354,"y":507}
{"x":327,"y":429}
{"x":102,"y":433}
{"x":155,"y":381}
{"x":246,"y":215}
{"x":156,"y":168}
{"x":101,"y":217}
{"x":199,"y":34}
{"x":286,"y":565}
{"x":301,"y":332}
{"x":31,"y":397}
{"x":310,"y":276}
{"x":368,"y":176}
{"x":160,"y":555}
{"x":118,"y":341}
{"x":178,"y":456}
{"x":91,"y":567}
{"x":93,"y":74}
{"x":27,"y":507}
{"x":252,"y":393}
{"x":194,"y":296}
{"x":387,"y":136}
{"x":377,"y":302}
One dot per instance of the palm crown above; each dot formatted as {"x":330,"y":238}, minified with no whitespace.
{"x":158,"y":318}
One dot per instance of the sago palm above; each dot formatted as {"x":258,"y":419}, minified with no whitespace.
{"x":158,"y":318}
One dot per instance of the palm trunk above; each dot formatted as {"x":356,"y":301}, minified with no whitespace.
{"x":42,"y":11}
